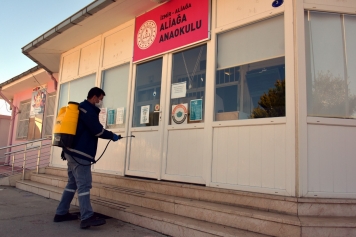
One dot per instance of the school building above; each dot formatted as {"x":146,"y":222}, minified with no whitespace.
{"x":242,"y":113}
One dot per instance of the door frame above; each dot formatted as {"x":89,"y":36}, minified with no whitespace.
{"x":162,"y":121}
{"x":167,"y":127}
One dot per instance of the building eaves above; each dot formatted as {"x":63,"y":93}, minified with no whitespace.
{"x":28,"y":72}
{"x":71,"y":21}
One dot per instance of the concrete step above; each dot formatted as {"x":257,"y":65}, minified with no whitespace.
{"x":228,"y":216}
{"x":263,"y":222}
{"x":208,"y":224}
{"x":269,"y":223}
{"x":159,"y":221}
{"x":273,"y":203}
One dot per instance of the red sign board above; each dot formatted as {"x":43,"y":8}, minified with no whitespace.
{"x":170,"y":26}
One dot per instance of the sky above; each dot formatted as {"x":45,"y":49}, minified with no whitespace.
{"x":23,"y":21}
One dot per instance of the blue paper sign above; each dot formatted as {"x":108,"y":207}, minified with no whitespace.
{"x":196,"y":110}
{"x":111,"y":116}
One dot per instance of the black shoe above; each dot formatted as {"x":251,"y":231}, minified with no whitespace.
{"x":66,"y":217}
{"x":92,"y":221}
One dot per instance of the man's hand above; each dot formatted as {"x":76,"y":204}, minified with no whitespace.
{"x":116,"y":137}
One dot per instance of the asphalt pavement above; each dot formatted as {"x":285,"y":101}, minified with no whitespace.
{"x":27,"y":214}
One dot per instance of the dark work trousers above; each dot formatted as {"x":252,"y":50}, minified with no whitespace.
{"x":79,"y":177}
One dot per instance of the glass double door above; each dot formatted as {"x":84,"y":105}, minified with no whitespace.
{"x":167,"y":117}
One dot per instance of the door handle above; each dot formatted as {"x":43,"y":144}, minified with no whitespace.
{"x":160,"y":114}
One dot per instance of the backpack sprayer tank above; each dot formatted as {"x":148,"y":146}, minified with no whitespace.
{"x":66,"y":125}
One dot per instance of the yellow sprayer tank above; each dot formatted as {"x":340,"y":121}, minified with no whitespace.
{"x":66,"y":125}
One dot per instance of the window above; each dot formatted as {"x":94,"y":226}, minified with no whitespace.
{"x":330,"y":63}
{"x":76,"y":90}
{"x":147,"y":94}
{"x":115,"y":85}
{"x":49,"y":115}
{"x":35,"y":127}
{"x":250,"y":75}
{"x":188,"y":86}
{"x":38,"y":103}
{"x":30,"y":125}
{"x":23,"y":120}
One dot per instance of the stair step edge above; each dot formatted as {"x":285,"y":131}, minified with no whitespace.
{"x":169,"y":198}
{"x":192,"y":186}
{"x":245,"y":211}
{"x":146,"y":212}
{"x":241,"y":210}
{"x":307,"y":221}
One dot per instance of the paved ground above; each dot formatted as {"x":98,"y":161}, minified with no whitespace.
{"x":27,"y":214}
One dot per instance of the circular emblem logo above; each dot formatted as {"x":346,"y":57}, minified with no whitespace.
{"x":179,"y":114}
{"x":146,"y":34}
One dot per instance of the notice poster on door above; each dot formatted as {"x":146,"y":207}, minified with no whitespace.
{"x":196,"y":110}
{"x":179,"y":113}
{"x":145,"y":112}
{"x":120,"y":115}
{"x":179,"y":90}
{"x":103,"y":116}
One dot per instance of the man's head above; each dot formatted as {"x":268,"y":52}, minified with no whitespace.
{"x":95,"y":95}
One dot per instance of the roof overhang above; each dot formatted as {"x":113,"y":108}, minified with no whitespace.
{"x":32,"y":78}
{"x":91,"y":21}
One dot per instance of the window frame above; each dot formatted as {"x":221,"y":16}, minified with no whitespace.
{"x":46,"y":116}
{"x":311,"y":74}
{"x":115,"y":127}
{"x":199,"y":88}
{"x":242,"y":80}
{"x":20,"y":119}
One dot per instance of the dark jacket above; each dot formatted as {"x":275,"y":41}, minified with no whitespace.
{"x":89,"y":129}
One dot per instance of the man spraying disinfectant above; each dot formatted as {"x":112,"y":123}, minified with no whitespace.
{"x":79,"y":149}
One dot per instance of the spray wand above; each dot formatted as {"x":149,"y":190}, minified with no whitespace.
{"x":128,"y":136}
{"x":101,"y":153}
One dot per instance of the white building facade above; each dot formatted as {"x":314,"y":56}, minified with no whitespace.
{"x":264,"y":102}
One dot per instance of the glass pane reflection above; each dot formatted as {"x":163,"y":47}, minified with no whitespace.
{"x":147,"y":94}
{"x":188,"y":86}
{"x":255,"y":90}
